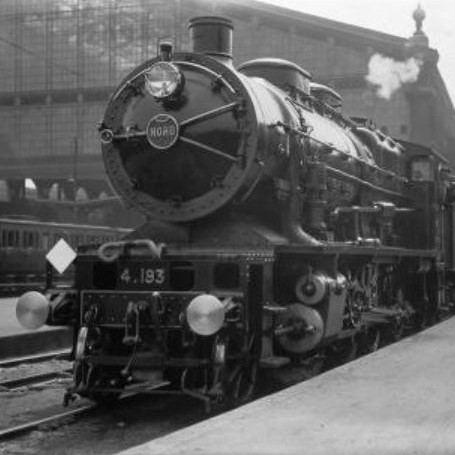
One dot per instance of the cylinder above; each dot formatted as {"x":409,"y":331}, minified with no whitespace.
{"x":306,"y":328}
{"x":212,"y":36}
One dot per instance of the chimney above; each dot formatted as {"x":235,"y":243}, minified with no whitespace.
{"x":212,"y":36}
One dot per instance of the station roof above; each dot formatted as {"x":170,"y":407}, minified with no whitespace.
{"x":291,"y":18}
{"x":304,"y":24}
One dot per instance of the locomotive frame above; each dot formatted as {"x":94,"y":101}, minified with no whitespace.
{"x":310,"y":236}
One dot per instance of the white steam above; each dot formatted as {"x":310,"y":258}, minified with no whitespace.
{"x":388,"y":75}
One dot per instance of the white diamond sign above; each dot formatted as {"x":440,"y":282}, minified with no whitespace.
{"x":61,"y":256}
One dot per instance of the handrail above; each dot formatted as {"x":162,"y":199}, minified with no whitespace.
{"x":111,"y":251}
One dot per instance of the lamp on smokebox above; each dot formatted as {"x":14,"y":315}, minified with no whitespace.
{"x":163,"y":79}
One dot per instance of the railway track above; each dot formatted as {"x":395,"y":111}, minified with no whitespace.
{"x":32,"y":380}
{"x":18,"y":430}
{"x":14,"y":379}
{"x":69,"y":416}
{"x":61,"y":354}
{"x":36,"y":380}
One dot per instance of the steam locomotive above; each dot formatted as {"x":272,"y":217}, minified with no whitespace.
{"x":278,"y":230}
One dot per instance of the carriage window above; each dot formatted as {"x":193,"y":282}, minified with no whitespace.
{"x":226,"y":276}
{"x":26,"y":239}
{"x":13,"y":238}
{"x":29,"y":239}
{"x":4,"y":238}
{"x":46,"y":241}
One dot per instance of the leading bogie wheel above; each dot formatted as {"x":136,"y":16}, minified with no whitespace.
{"x":240,"y":371}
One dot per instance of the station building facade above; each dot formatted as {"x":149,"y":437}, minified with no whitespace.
{"x":59,"y":61}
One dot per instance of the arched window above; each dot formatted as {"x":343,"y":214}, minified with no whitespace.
{"x":4,"y":191}
{"x":53,"y":192}
{"x":81,"y":194}
{"x":30,"y":189}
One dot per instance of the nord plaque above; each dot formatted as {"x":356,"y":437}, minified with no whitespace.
{"x":162,"y":131}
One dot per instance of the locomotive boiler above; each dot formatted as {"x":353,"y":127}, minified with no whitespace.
{"x":278,"y":231}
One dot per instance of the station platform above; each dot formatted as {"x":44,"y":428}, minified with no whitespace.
{"x":15,"y":341}
{"x":399,"y":400}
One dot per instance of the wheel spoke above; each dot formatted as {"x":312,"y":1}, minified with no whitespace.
{"x":235,"y":373}
{"x":207,"y":148}
{"x":209,"y":114}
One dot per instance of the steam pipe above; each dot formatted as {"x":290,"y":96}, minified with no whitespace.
{"x":291,"y":214}
{"x":293,"y":225}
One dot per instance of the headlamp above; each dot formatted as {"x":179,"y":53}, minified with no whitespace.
{"x":32,"y":310}
{"x":163,"y":79}
{"x":205,"y":314}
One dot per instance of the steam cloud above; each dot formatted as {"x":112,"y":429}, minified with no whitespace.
{"x":388,"y":75}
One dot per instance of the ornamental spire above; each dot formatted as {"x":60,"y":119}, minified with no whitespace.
{"x":419,"y":16}
{"x":419,"y":39}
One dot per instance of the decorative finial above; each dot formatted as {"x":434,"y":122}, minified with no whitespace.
{"x":419,"y":39}
{"x":418,"y":45}
{"x":419,"y":16}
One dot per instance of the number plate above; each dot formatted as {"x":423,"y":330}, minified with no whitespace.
{"x":141,"y":275}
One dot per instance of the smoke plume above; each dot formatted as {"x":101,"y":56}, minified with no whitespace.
{"x":388,"y":75}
